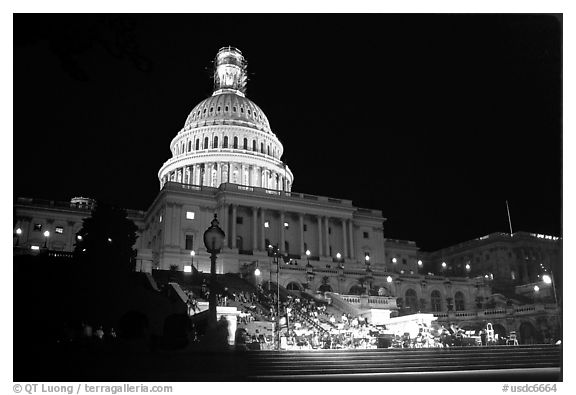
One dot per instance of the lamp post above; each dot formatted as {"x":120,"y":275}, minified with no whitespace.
{"x":213,"y":240}
{"x":18,"y":233}
{"x":549,"y":279}
{"x":276,"y":254}
{"x":46,"y":235}
{"x":192,"y":253}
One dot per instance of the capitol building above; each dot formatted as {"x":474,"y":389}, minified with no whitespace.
{"x":227,"y":160}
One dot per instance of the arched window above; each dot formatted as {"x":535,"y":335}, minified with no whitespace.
{"x":262,"y":147}
{"x":411,"y":300}
{"x":189,"y":145}
{"x":234,"y":109}
{"x":293,"y":286}
{"x":197,"y":144}
{"x":235,"y":142}
{"x":245,"y":143}
{"x":436,"y":301}
{"x":225,"y":145}
{"x":268,"y":150}
{"x":242,"y":110}
{"x":356,"y":290}
{"x":253,"y":145}
{"x":325,"y":288}
{"x":226,"y":108}
{"x":459,"y":301}
{"x":215,"y":141}
{"x":205,"y":142}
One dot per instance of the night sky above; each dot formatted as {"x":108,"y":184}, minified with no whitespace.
{"x":436,"y":120}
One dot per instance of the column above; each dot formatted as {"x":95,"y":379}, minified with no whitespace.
{"x":351,"y":235}
{"x":327,"y":237}
{"x":301,"y":223}
{"x":254,"y":228}
{"x":345,"y":238}
{"x":282,"y":231}
{"x":320,"y":250}
{"x":224,"y":219}
{"x":166,"y":224}
{"x":262,"y":229}
{"x":233,"y":226}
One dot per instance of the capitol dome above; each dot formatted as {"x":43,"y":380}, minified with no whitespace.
{"x":227,"y":108}
{"x":227,"y":137}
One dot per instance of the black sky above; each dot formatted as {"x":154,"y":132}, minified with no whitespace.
{"x":434,"y":119}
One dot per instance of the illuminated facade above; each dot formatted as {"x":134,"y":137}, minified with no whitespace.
{"x":226,"y":160}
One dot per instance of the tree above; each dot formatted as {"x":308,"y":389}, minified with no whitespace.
{"x":107,"y":238}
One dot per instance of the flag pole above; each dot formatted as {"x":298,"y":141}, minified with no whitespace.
{"x":509,"y":220}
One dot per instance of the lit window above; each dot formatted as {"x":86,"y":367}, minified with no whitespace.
{"x":37,"y":227}
{"x":286,"y":225}
{"x":35,"y":248}
{"x":187,"y":269}
{"x":189,"y":214}
{"x":513,"y":275}
{"x":160,"y":219}
{"x":59,"y":230}
{"x":266,"y":224}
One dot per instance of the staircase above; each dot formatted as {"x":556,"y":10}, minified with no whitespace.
{"x":475,"y":363}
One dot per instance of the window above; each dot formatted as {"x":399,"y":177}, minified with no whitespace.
{"x":189,"y":145}
{"x":266,"y":224}
{"x":459,"y":301}
{"x":189,"y":214}
{"x":215,"y":141}
{"x":268,"y":150}
{"x":262,"y":147}
{"x":59,"y":230}
{"x":218,"y":109}
{"x":286,"y":225}
{"x":365,"y":235}
{"x":160,"y":219}
{"x":249,"y":113}
{"x":226,"y":108}
{"x":235,"y":142}
{"x":205,"y":142}
{"x":242,"y":109}
{"x":330,"y":250}
{"x":513,"y":275}
{"x":234,"y":109}
{"x":404,"y":262}
{"x":211,"y":109}
{"x":305,"y":228}
{"x":245,"y":143}
{"x":411,"y":300}
{"x":197,"y":144}
{"x":435,"y":301}
{"x":225,"y":145}
{"x":189,"y":242}
{"x":329,"y":231}
{"x":37,"y":227}
{"x":253,"y":145}
{"x":239,"y":220}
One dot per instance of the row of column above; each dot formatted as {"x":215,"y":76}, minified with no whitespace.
{"x":213,"y":174}
{"x":258,"y":231}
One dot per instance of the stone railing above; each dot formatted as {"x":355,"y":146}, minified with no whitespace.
{"x":496,"y":313}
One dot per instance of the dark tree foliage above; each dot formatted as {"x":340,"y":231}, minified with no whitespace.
{"x":107,"y":238}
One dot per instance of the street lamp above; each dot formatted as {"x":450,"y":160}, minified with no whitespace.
{"x":339,"y":259}
{"x":549,"y":279}
{"x":276,"y":254}
{"x":213,"y":240}
{"x":192,"y":253}
{"x":46,"y":235}
{"x":18,"y":233}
